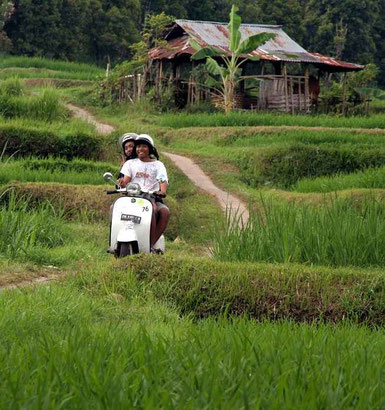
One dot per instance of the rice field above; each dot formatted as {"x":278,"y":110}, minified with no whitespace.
{"x":370,"y":179}
{"x":284,"y":312}
{"x":38,"y":67}
{"x":107,"y":352}
{"x":243,"y":119}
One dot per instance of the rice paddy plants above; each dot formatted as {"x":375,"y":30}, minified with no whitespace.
{"x":17,"y":171}
{"x":12,"y":87}
{"x":337,"y":234}
{"x":263,"y":119}
{"x":45,"y":106}
{"x":370,"y":178}
{"x":22,"y":230}
{"x":45,"y":67}
{"x":89,"y":351}
{"x":67,"y":139}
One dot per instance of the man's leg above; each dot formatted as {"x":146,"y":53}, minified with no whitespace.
{"x":162,"y":219}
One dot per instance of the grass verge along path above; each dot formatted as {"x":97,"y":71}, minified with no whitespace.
{"x":199,"y":178}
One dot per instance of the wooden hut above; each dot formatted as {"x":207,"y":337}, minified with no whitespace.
{"x":286,"y":78}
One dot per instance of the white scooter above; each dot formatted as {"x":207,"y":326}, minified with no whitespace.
{"x":131,"y":221}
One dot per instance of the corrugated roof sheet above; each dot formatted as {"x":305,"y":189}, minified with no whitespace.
{"x":281,"y":48}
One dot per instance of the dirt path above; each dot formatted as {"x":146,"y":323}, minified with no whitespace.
{"x":186,"y":165}
{"x":31,"y":282}
{"x":200,"y":179}
{"x":87,"y":116}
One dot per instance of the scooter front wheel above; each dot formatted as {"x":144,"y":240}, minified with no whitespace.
{"x":126,"y":249}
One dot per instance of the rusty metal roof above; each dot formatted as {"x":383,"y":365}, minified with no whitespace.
{"x":281,"y":48}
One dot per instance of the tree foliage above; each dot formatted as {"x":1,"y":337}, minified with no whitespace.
{"x":353,"y":30}
{"x":230,"y":70}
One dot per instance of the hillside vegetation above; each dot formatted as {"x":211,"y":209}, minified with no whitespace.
{"x":286,"y":311}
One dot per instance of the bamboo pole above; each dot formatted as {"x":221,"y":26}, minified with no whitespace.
{"x":291,"y":95}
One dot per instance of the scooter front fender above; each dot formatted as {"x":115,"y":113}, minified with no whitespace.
{"x":127,"y":235}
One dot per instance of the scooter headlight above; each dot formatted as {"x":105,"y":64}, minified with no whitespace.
{"x":133,"y":189}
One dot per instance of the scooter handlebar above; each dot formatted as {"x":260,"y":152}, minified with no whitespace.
{"x":112,"y":192}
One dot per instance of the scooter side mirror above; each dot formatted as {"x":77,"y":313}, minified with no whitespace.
{"x":108,"y":176}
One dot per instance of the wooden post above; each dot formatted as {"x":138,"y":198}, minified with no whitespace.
{"x":291,"y":95}
{"x":284,"y":69}
{"x":189,"y":98}
{"x":344,"y":94}
{"x":160,"y":74}
{"x":307,"y":87}
{"x":299,"y":94}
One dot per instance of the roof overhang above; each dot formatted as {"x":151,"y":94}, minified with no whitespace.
{"x":281,"y":48}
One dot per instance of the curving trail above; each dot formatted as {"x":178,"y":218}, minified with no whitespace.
{"x":226,"y":201}
{"x":83,"y":114}
{"x":186,"y":165}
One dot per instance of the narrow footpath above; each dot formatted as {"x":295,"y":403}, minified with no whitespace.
{"x":226,"y":201}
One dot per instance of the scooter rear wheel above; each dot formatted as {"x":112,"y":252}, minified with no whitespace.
{"x":126,"y":249}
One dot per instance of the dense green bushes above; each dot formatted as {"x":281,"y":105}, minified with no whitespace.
{"x":284,"y":166}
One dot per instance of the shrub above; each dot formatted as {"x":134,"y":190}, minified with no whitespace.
{"x":284,"y":166}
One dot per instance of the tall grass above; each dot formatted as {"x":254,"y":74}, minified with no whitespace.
{"x":44,"y":106}
{"x":370,"y":178}
{"x":338,"y":234}
{"x":62,"y":348}
{"x":263,"y":119}
{"x":22,"y":229}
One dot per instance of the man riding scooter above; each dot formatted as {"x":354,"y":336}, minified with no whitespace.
{"x":150,"y":174}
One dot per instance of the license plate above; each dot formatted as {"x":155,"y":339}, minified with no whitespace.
{"x":132,"y":218}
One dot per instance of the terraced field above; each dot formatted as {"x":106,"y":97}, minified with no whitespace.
{"x":286,"y":311}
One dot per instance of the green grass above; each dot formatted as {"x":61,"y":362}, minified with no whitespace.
{"x":114,"y":352}
{"x":40,"y":234}
{"x":22,"y":230}
{"x":340,"y":233}
{"x":38,"y":67}
{"x":370,"y":178}
{"x":264,"y":119}
{"x":44,"y":106}
{"x":69,"y":139}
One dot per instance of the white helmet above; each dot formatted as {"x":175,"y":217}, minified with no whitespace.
{"x":129,"y":136}
{"x":145,"y":138}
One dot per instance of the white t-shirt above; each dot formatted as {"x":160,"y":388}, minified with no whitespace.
{"x":146,"y":174}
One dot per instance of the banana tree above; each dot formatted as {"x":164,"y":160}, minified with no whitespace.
{"x":229,"y":73}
